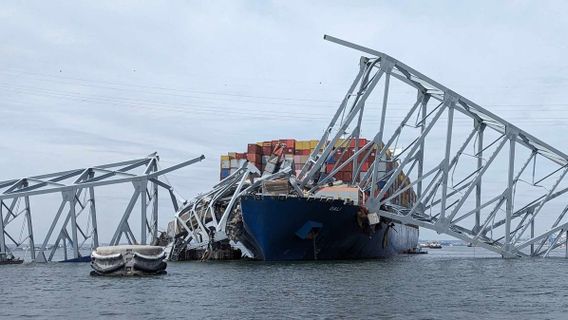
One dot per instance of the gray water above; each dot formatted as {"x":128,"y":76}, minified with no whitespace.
{"x":451,"y":283}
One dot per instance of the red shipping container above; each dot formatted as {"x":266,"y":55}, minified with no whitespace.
{"x":362,"y":142}
{"x":266,"y":150}
{"x":329,"y":167}
{"x":365,"y":166}
{"x":254,"y":158}
{"x":254,"y":148}
{"x":289,"y":151}
{"x":348,"y":167}
{"x":290,"y":143}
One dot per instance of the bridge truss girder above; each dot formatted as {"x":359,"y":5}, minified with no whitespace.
{"x":77,"y":183}
{"x":483,"y":208}
{"x":205,"y":219}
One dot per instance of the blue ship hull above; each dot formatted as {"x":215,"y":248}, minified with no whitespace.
{"x":292,"y":228}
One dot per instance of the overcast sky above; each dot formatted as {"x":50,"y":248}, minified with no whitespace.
{"x":84,"y":83}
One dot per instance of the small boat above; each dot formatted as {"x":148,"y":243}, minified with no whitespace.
{"x":128,"y":260}
{"x":416,"y":250}
{"x":434,"y":245}
{"x":10,"y":259}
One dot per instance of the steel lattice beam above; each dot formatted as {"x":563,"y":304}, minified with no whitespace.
{"x":72,"y":185}
{"x":483,"y":207}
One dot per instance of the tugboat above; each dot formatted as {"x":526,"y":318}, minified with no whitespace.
{"x":128,"y":260}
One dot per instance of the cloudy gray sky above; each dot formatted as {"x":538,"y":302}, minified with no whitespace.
{"x":84,"y":83}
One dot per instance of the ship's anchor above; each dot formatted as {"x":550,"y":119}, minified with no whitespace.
{"x":385,"y":235}
{"x":310,"y":231}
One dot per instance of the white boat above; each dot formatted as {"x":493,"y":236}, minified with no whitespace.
{"x":127,"y":260}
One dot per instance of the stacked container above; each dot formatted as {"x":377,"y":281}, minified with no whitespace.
{"x":299,"y":151}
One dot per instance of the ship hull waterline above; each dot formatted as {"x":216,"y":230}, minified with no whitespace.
{"x":279,"y":228}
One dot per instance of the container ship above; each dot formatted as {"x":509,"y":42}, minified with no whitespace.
{"x":260,"y":209}
{"x":276,"y":223}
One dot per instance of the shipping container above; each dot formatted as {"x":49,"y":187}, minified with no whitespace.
{"x":299,"y":152}
{"x":254,"y":149}
{"x":329,"y":167}
{"x":362,"y":142}
{"x":288,"y":151}
{"x":289,"y":143}
{"x":254,"y":158}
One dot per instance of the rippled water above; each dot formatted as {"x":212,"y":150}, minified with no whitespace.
{"x":451,"y":283}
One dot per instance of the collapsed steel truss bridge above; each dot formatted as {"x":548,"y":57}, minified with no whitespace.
{"x":472,"y":174}
{"x":476,"y":176}
{"x":77,"y":188}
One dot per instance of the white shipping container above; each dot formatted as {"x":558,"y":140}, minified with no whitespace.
{"x":225,"y":164}
{"x":241,"y":162}
{"x":234,"y":163}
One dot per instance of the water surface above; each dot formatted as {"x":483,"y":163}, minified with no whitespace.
{"x":451,"y":283}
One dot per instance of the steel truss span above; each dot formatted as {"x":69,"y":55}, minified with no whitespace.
{"x":206,"y":218}
{"x":78,"y":188}
{"x":475,"y":176}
